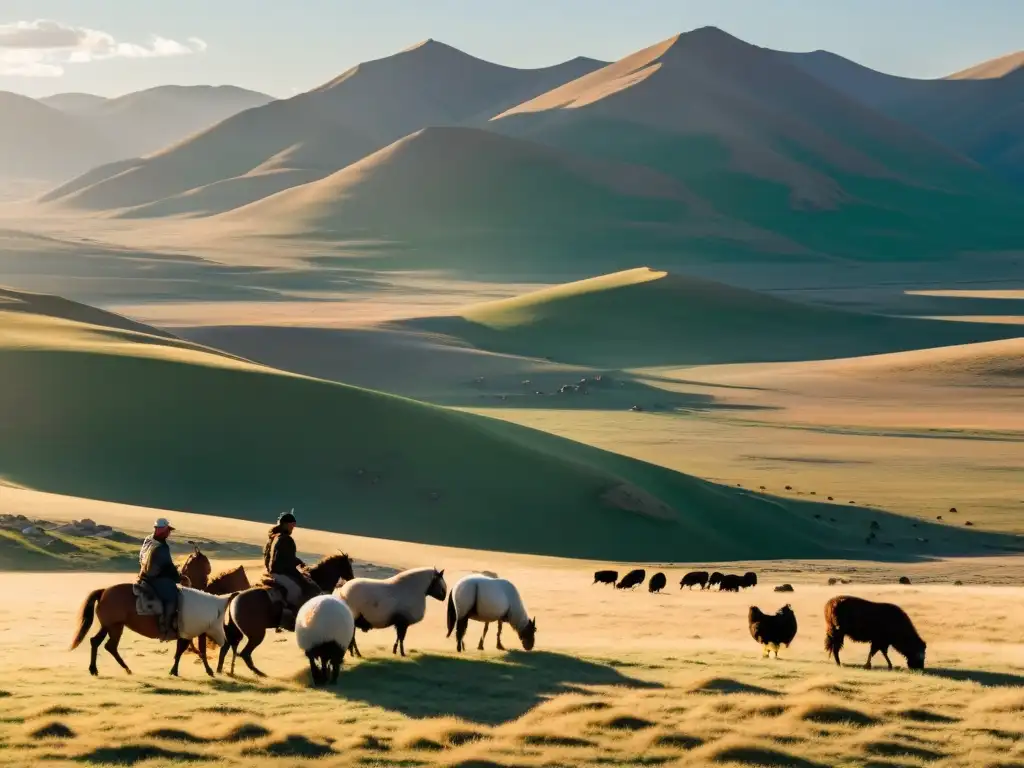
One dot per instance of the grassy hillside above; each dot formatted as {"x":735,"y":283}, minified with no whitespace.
{"x":643,"y":317}
{"x":87,"y":412}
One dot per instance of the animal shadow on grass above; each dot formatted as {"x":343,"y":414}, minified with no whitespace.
{"x":981,"y":677}
{"x":485,"y":691}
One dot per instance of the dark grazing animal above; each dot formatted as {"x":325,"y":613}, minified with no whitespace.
{"x":772,"y":631}
{"x":694,"y":577}
{"x":606,"y":577}
{"x":730,"y":583}
{"x":657,"y":583}
{"x":632,"y":579}
{"x":749,"y":579}
{"x":881,"y":624}
{"x":716,"y":578}
{"x":904,"y":579}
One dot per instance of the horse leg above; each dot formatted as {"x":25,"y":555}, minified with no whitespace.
{"x":401,"y":627}
{"x":202,"y":654}
{"x":246,"y":653}
{"x":480,"y":645}
{"x":871,"y":653}
{"x":95,"y":643}
{"x":232,"y":636}
{"x":112,"y":643}
{"x":500,"y":646}
{"x":460,"y":633}
{"x":354,"y":649}
{"x":885,"y":653}
{"x":178,"y":653}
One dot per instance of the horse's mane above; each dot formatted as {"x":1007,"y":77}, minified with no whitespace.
{"x":411,"y":573}
{"x":330,"y":560}
{"x":214,"y":581}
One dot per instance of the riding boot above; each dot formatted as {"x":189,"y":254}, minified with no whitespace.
{"x":168,"y":622}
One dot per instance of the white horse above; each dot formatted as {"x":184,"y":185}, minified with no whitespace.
{"x":398,"y":602}
{"x":487,"y":599}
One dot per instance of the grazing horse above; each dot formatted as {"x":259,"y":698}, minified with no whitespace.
{"x":398,"y":602}
{"x":484,"y":599}
{"x":881,"y":624}
{"x":200,"y":614}
{"x":255,"y":610}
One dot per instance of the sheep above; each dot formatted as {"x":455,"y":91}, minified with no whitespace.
{"x":881,"y":624}
{"x":324,"y":628}
{"x":605,"y":577}
{"x":657,"y":582}
{"x":772,"y":631}
{"x":632,"y":579}
{"x":694,"y":577}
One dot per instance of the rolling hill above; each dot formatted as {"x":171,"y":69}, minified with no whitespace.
{"x":768,"y":144}
{"x":40,"y":142}
{"x":91,"y":412}
{"x":480,"y":191}
{"x":314,"y":134}
{"x":642,"y":317}
{"x":978,"y":112}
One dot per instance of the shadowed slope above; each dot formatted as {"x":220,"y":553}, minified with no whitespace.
{"x":643,"y":317}
{"x":89,"y":414}
{"x":38,"y":141}
{"x":771,"y":145}
{"x":316,"y":133}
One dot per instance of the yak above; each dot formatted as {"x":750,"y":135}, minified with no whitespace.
{"x":606,"y":577}
{"x":749,"y":579}
{"x":632,"y":579}
{"x":880,"y":624}
{"x":657,"y":583}
{"x":694,"y":577}
{"x":715,"y":578}
{"x":772,"y":631}
{"x":730,"y":583}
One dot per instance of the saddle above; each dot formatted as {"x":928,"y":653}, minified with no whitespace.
{"x":277,"y":592}
{"x":148,"y":603}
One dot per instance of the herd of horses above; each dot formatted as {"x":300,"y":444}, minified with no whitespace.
{"x":227,"y":610}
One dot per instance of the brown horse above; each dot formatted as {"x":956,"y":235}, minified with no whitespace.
{"x":195,"y":571}
{"x":200,"y":614}
{"x":253,"y":611}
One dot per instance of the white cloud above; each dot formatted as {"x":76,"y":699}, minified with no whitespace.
{"x":43,"y":47}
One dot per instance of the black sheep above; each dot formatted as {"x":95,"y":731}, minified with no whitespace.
{"x":632,"y":579}
{"x":772,"y":631}
{"x":657,"y":583}
{"x":730,"y":583}
{"x":606,"y":577}
{"x":694,"y":577}
{"x":881,"y":624}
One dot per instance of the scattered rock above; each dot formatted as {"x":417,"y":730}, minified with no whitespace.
{"x":830,"y":498}
{"x":904,"y":579}
{"x":938,"y":517}
{"x":784,"y":588}
{"x":952,"y":510}
{"x":968,"y":523}
{"x":833,"y":581}
{"x":789,"y":487}
{"x":958,"y":583}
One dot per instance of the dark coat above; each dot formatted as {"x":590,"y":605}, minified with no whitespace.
{"x":632,"y":579}
{"x":658,"y":582}
{"x":749,"y":579}
{"x":694,"y":577}
{"x":279,"y":555}
{"x":730,"y":583}
{"x":766,"y":629}
{"x":156,"y":561}
{"x":606,"y":577}
{"x":881,"y":624}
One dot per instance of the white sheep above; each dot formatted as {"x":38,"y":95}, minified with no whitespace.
{"x":324,"y":628}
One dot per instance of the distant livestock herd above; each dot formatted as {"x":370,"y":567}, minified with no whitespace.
{"x":882,"y":625}
{"x":726,"y":582}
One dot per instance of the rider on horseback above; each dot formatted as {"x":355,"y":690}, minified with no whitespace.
{"x":283,"y":567}
{"x":158,"y":571}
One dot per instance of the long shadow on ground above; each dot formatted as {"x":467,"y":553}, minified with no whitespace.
{"x":981,"y":677}
{"x":486,"y":691}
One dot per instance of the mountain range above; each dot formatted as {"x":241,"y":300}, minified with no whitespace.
{"x":702,"y":144}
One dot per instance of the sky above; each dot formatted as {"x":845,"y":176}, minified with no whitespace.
{"x":283,"y":47}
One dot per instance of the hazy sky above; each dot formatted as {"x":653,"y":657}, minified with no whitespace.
{"x":282,"y":47}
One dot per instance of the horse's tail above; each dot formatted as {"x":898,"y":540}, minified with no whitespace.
{"x":85,"y":616}
{"x":833,"y":640}
{"x":453,"y":615}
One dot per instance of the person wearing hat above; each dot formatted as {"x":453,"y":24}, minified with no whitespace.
{"x":283,"y":565}
{"x":157,"y":569}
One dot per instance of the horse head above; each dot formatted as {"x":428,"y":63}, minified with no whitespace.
{"x":332,"y":569}
{"x":528,"y":634}
{"x":437,"y":588}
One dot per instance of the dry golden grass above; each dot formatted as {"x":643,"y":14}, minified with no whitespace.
{"x":617,"y":679}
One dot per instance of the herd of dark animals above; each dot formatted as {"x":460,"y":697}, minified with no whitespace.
{"x":882,"y":625}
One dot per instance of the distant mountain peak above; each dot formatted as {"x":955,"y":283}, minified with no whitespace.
{"x":993,"y":69}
